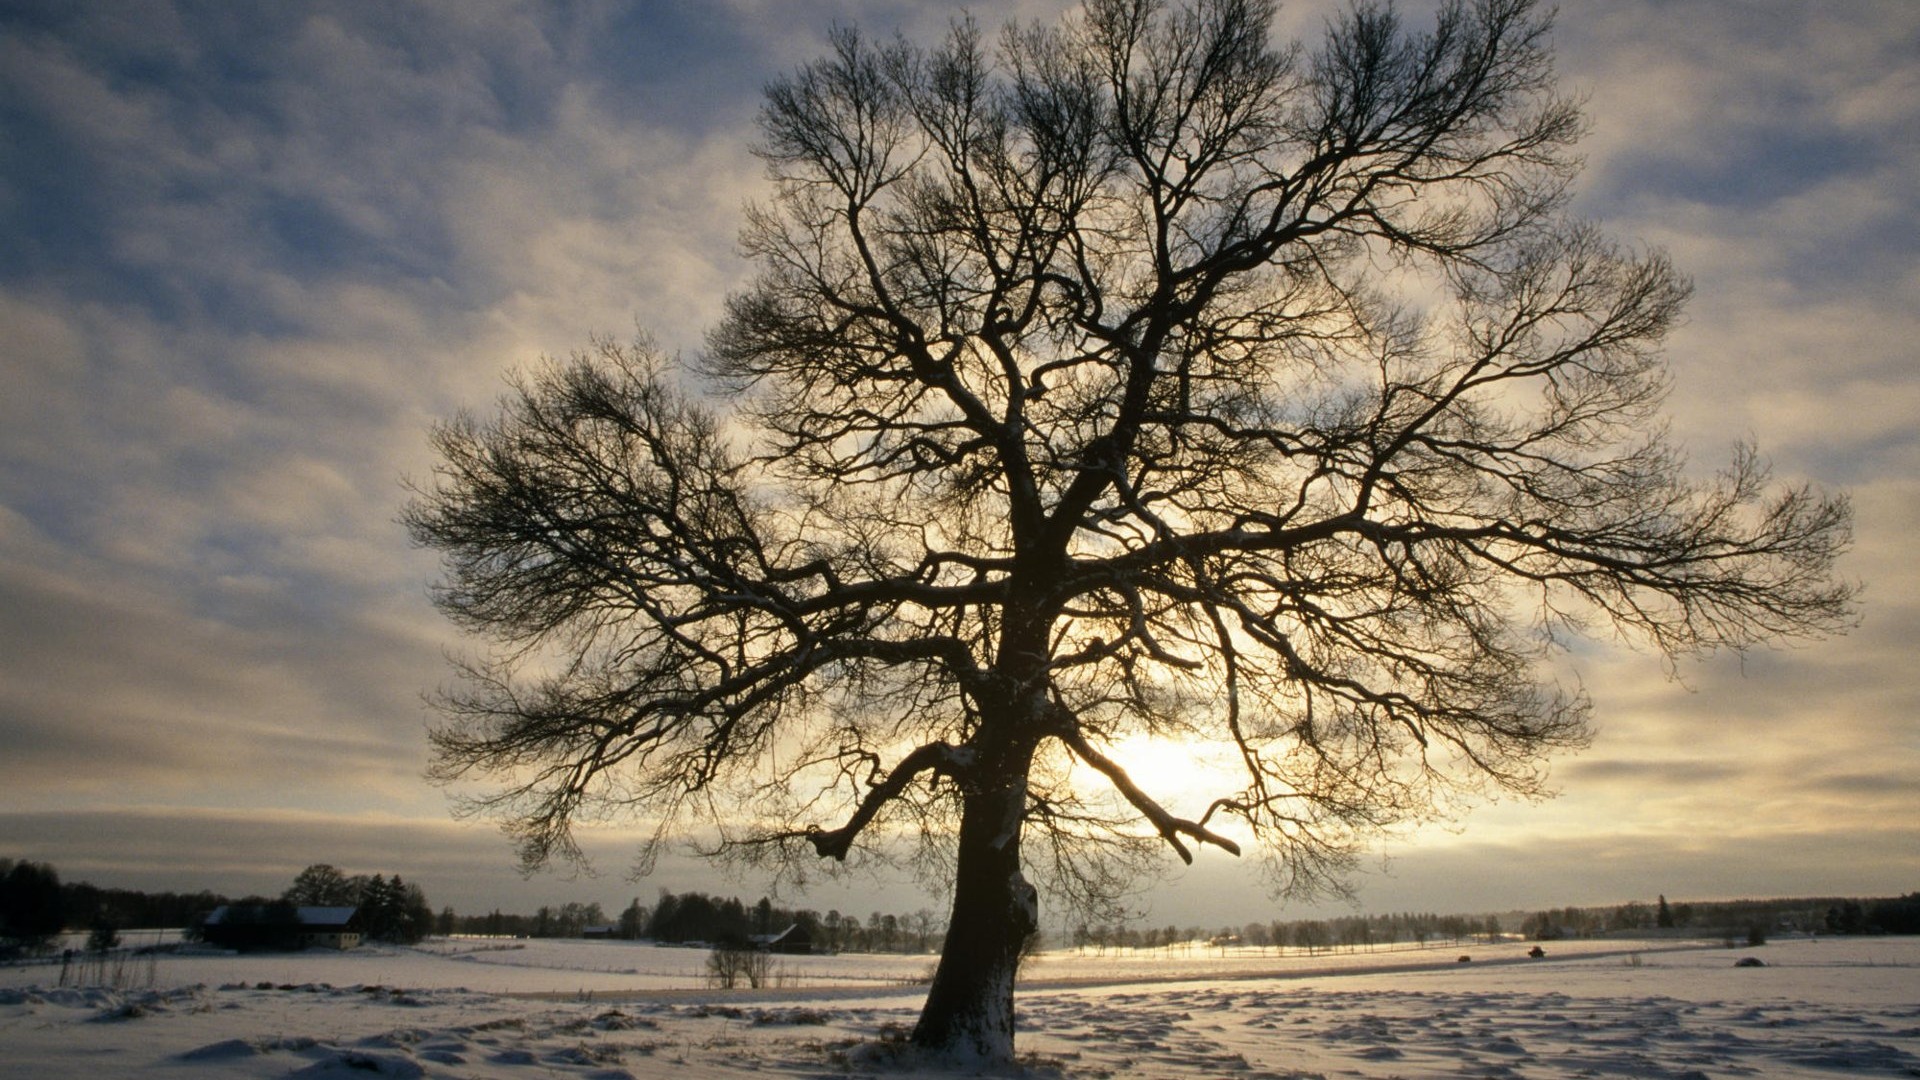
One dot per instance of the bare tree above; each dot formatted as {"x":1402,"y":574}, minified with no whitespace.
{"x":1129,"y":376}
{"x":323,"y":885}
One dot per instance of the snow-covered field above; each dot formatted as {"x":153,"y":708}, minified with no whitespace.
{"x":605,"y":1010}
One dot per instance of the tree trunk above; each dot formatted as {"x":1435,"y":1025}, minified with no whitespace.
{"x":969,"y":1009}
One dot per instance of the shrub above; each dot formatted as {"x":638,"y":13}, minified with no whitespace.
{"x":102,"y":937}
{"x":728,"y":965}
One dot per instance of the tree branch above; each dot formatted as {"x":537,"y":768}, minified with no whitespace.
{"x":1169,"y":827}
{"x":937,"y":757}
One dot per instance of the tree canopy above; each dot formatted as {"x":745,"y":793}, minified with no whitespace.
{"x":1126,"y":376}
{"x":323,"y":885}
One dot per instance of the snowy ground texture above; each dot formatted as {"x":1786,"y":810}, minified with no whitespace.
{"x":1828,"y":1008}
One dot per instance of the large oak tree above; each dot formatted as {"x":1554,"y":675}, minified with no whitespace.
{"x":1130,"y":376}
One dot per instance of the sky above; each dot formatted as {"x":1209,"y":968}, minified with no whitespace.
{"x":250,"y":252}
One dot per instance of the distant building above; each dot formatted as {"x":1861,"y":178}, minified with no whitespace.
{"x":282,"y":927}
{"x":609,"y":931}
{"x":793,"y":941}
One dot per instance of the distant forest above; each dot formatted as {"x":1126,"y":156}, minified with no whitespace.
{"x":35,"y":905}
{"x":1750,"y":920}
{"x":686,"y":918}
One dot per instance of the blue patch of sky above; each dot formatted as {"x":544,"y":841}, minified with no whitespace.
{"x":207,"y":69}
{"x":1849,"y":459}
{"x":1756,"y":168}
{"x":63,"y":512}
{"x":681,"y":67}
{"x":65,"y":202}
{"x":308,"y":240}
{"x":47,"y":220}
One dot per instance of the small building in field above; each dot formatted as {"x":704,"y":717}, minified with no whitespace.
{"x":329,"y":927}
{"x":600,"y":932}
{"x":282,"y":927}
{"x":793,"y":941}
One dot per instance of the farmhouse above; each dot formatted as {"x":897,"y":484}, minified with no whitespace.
{"x":282,"y":926}
{"x":794,"y":941}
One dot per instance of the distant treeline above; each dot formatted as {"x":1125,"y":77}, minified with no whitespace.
{"x":565,"y":921}
{"x":1817,"y":915}
{"x":1307,"y":935}
{"x":1752,"y":920}
{"x":697,"y":917}
{"x":35,"y":905}
{"x":678,"y":918}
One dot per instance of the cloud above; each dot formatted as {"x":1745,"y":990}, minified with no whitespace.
{"x":116,"y":686}
{"x":280,"y":273}
{"x":1544,"y":869}
{"x":253,"y":252}
{"x":1609,"y":869}
{"x":257,"y":253}
{"x":465,"y":865}
{"x":1665,"y":773}
{"x":252,"y":851}
{"x":1765,"y":146}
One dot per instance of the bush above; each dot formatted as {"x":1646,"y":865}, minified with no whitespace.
{"x":729,"y":965}
{"x":102,"y":937}
{"x":113,"y":970}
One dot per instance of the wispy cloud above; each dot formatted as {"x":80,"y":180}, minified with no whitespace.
{"x":249,"y":253}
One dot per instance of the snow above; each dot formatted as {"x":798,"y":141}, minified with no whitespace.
{"x":605,"y":1010}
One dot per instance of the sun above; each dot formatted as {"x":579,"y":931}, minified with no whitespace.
{"x":1186,"y":774}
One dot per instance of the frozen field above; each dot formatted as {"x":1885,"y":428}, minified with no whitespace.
{"x":1831,"y":1008}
